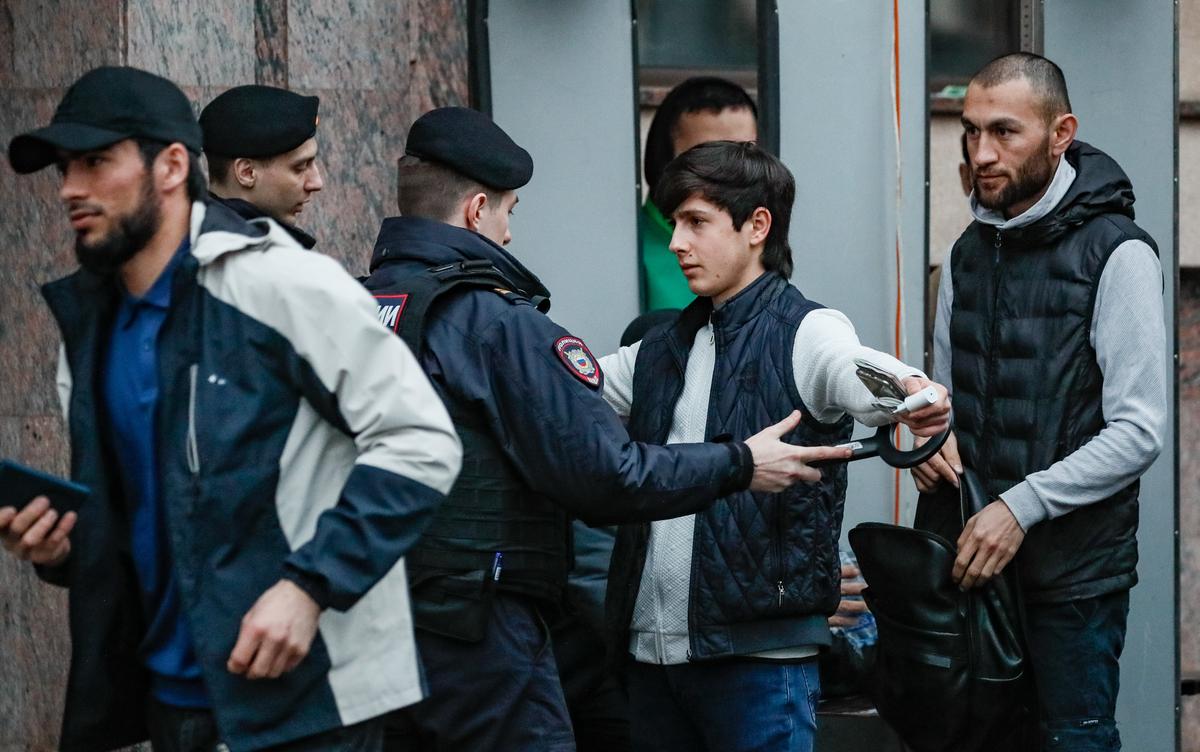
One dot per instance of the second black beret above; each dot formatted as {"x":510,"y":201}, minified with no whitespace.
{"x":468,"y":142}
{"x":258,"y":121}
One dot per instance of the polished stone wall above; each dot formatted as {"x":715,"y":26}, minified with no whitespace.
{"x":376,"y":64}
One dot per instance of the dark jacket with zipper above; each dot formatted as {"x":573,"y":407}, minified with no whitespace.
{"x":275,"y":461}
{"x":765,"y":567}
{"x":533,"y":427}
{"x":1027,"y":388}
{"x":248,"y":211}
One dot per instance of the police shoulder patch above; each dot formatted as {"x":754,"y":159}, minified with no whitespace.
{"x":391,"y":308}
{"x":579,"y":360}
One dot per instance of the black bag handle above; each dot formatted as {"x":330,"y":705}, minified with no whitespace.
{"x":883,"y":446}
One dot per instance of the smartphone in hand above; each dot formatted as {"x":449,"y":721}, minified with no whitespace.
{"x":20,"y":485}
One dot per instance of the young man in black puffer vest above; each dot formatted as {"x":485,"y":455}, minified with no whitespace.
{"x":1050,"y":332}
{"x":723,"y":611}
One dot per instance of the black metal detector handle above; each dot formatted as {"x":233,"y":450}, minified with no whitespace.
{"x":882,"y":445}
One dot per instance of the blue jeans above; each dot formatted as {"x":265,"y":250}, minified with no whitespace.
{"x":1074,"y":648}
{"x":737,"y":705}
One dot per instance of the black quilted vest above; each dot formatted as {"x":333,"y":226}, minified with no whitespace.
{"x":765,"y":567}
{"x":1027,"y":389}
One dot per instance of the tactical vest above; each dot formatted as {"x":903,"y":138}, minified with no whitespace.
{"x":1027,"y":390}
{"x":491,"y":528}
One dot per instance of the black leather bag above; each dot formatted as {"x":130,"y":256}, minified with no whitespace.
{"x":949,"y":666}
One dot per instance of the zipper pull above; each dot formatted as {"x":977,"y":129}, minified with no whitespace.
{"x":999,"y":239}
{"x":780,"y":586}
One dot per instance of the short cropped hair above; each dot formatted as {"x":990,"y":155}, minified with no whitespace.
{"x":739,"y":178}
{"x":434,"y":191}
{"x":219,"y":167}
{"x":197,"y":185}
{"x":699,"y":94}
{"x":1044,"y":77}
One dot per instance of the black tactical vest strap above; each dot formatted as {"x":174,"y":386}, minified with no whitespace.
{"x":403,"y":308}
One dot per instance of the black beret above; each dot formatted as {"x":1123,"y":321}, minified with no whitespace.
{"x":468,"y":142}
{"x":258,"y":121}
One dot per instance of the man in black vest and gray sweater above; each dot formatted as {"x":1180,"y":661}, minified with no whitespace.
{"x":1050,"y":333}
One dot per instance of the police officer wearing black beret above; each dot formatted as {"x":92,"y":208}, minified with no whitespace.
{"x":261,"y":146}
{"x":540,"y":445}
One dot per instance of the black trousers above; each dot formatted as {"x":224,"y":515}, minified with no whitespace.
{"x":500,"y":694}
{"x":598,"y":704}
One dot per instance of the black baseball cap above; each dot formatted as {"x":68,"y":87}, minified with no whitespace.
{"x":104,"y":106}
{"x":258,"y":121}
{"x":468,"y":142}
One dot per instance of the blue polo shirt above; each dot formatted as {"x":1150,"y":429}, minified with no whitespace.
{"x":131,"y":396}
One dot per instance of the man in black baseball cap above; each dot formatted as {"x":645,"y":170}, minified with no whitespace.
{"x":118,"y":117}
{"x":261,"y":146}
{"x":242,"y":482}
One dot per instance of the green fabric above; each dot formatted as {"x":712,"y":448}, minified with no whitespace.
{"x":665,"y":285}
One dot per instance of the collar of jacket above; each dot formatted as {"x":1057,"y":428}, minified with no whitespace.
{"x":1100,"y":187}
{"x":731,"y":316}
{"x":247,"y":210}
{"x":434,"y":243}
{"x":215,"y":230}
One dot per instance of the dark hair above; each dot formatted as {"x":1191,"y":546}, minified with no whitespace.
{"x":1044,"y":77}
{"x":739,"y":178}
{"x":433,"y":191}
{"x":700,"y":94}
{"x":197,"y":186}
{"x":962,"y":141}
{"x":219,"y":166}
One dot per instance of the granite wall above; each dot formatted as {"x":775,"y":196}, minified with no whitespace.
{"x":1189,"y":486}
{"x":376,"y":64}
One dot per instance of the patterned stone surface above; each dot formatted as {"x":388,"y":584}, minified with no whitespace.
{"x":360,"y":44}
{"x":49,"y":51}
{"x":49,"y":44}
{"x":1189,"y":494}
{"x":193,"y":43}
{"x":35,"y":247}
{"x":440,"y":79}
{"x":271,"y":42}
{"x":32,"y":614}
{"x":376,"y":66}
{"x":361,"y":135}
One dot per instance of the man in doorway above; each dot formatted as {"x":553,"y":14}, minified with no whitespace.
{"x":724,"y":611}
{"x":696,"y":111}
{"x":261,"y":453}
{"x":261,"y":146}
{"x":1050,"y":333}
{"x":540,"y":444}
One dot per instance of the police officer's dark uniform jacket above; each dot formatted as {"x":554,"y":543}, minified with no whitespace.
{"x":540,"y":443}
{"x":1027,"y":387}
{"x":276,"y":459}
{"x":765,"y":567}
{"x":248,"y":211}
